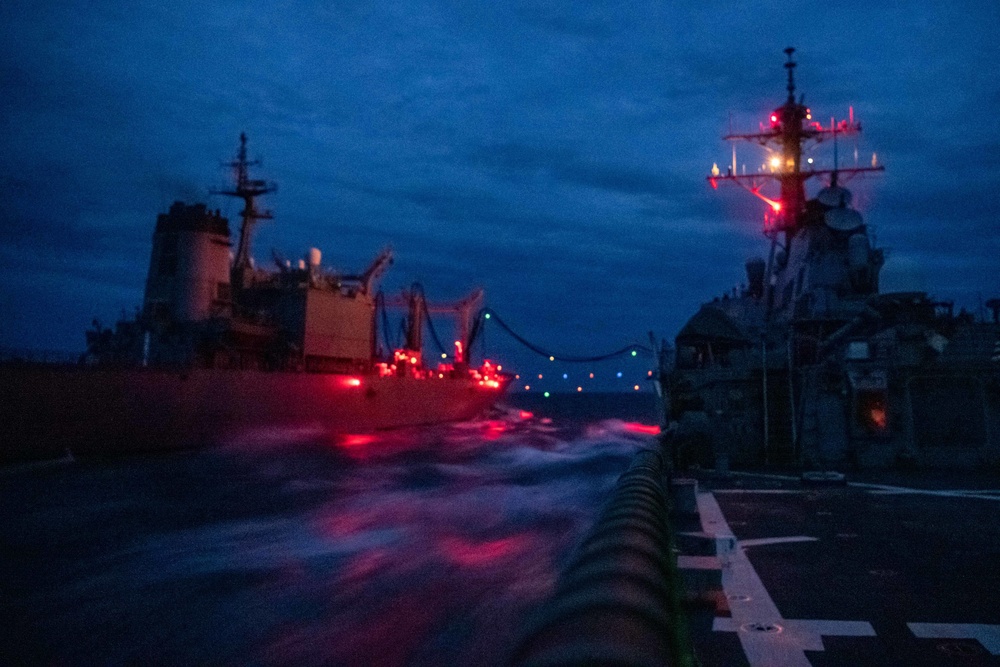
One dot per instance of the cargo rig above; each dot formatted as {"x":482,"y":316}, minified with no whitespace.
{"x":223,"y":351}
{"x":808,"y":364}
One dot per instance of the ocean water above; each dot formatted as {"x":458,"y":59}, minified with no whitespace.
{"x":418,"y":547}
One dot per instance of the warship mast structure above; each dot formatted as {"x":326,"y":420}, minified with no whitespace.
{"x":808,"y":363}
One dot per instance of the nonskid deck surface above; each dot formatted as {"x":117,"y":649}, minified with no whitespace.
{"x":896,"y":573}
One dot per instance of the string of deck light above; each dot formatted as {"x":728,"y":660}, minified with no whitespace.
{"x":633,"y":348}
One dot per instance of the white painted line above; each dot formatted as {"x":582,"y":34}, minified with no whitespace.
{"x":698,"y":563}
{"x":987,"y":635}
{"x":833,"y":628}
{"x":767,"y":638}
{"x":764,"y":541}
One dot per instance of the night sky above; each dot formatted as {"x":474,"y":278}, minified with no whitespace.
{"x":552,"y":152}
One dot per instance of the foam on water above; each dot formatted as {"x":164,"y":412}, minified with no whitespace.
{"x":425,"y":546}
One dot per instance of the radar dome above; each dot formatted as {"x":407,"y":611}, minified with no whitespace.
{"x":834,"y":196}
{"x":843,"y":219}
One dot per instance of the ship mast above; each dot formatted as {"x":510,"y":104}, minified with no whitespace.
{"x":246,"y":189}
{"x":790,"y":130}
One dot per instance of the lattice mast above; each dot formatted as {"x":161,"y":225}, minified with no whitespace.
{"x":247,"y":189}
{"x":790,"y":131}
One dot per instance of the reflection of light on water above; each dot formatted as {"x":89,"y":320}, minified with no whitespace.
{"x":421,"y":546}
{"x":478,"y":553}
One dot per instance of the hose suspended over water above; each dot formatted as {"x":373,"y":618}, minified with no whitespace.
{"x":490,"y":314}
{"x":434,"y":336}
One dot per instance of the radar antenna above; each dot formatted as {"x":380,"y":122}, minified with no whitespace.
{"x":247,"y":189}
{"x":790,"y":131}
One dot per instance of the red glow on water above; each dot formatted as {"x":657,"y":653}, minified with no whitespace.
{"x":495,"y":428}
{"x":524,"y":414}
{"x":715,"y":183}
{"x":471,"y":553}
{"x":357,"y":440}
{"x":646,"y":429}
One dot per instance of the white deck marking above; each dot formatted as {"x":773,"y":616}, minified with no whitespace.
{"x":765,"y":541}
{"x":987,"y":635}
{"x":767,"y":638}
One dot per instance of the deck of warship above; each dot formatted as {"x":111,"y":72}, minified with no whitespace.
{"x":886,"y":569}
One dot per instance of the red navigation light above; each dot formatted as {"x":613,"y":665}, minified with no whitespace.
{"x":776,"y":205}
{"x":524,"y":414}
{"x":352,"y":382}
{"x":774,"y":119}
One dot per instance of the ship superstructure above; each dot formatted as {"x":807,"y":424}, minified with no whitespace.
{"x":808,"y":363}
{"x":223,"y":348}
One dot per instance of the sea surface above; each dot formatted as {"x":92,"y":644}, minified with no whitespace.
{"x":418,"y":547}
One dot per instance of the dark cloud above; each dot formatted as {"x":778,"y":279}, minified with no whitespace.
{"x":552,"y":152}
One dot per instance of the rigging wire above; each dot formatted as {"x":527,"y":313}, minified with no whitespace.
{"x":380,"y":305}
{"x":489,"y":313}
{"x":434,"y":336}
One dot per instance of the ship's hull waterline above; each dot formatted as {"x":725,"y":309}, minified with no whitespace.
{"x":48,"y":411}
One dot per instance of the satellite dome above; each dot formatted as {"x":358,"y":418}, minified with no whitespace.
{"x":834,"y":196}
{"x":843,"y":219}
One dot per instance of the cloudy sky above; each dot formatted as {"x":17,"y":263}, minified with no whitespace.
{"x":552,"y":151}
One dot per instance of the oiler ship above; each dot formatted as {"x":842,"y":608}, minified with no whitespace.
{"x":808,"y":364}
{"x":223,"y":351}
